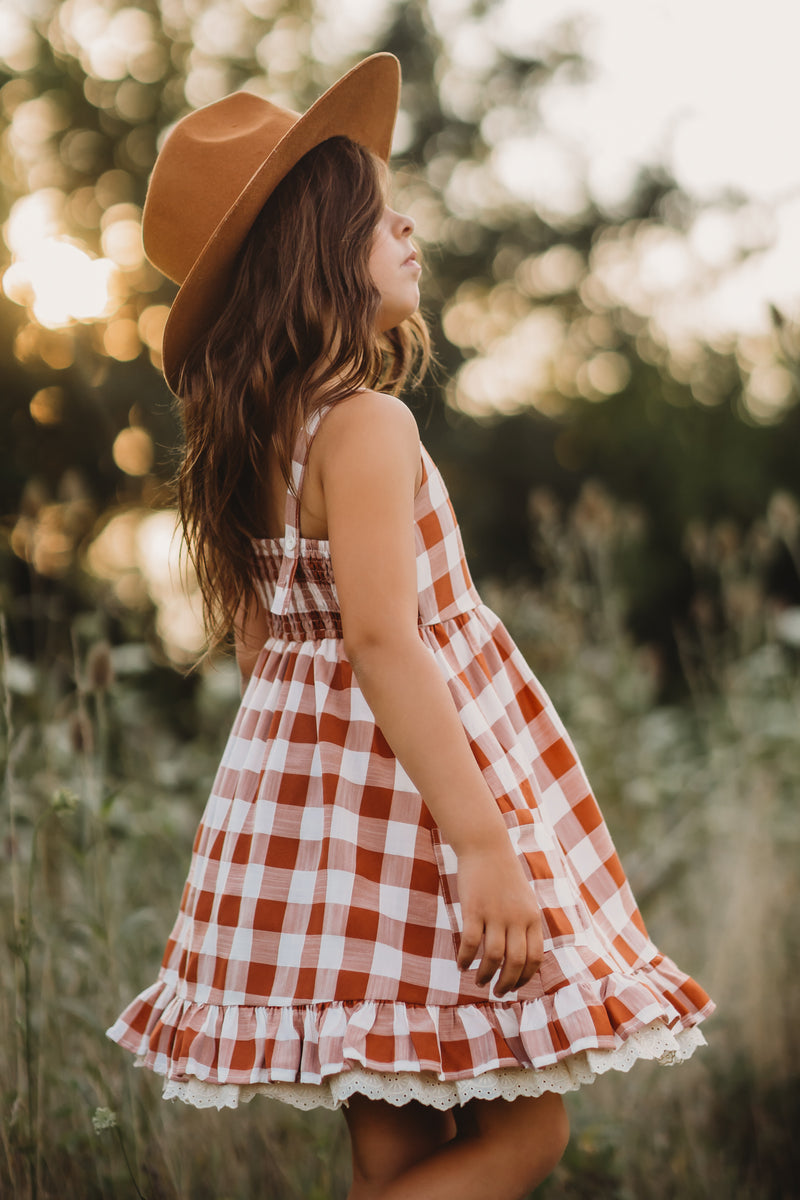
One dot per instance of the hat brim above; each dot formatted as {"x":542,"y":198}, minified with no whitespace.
{"x":362,"y":105}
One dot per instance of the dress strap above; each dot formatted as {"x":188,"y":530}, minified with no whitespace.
{"x":291,"y":533}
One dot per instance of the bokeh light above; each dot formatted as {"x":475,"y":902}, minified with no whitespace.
{"x":109,"y":45}
{"x":151,"y":325}
{"x":516,"y":368}
{"x":548,"y":89}
{"x":54,"y":348}
{"x":47,"y":405}
{"x":343,"y":28}
{"x":61,"y":283}
{"x":138,"y":553}
{"x":121,"y":236}
{"x":57,"y":279}
{"x":19,"y":44}
{"x":121,"y":339}
{"x":133,"y":451}
{"x":48,"y":531}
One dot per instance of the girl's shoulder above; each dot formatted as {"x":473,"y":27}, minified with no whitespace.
{"x":368,"y":421}
{"x":370,"y":434}
{"x":378,"y":408}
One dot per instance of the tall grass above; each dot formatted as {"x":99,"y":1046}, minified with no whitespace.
{"x":108,"y":761}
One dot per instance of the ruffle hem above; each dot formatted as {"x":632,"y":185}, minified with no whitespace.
{"x":656,"y":1042}
{"x":318,"y":1055}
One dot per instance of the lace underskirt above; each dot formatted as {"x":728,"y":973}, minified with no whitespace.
{"x":655,"y":1042}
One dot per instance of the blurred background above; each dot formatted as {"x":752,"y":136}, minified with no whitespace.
{"x":608,"y":200}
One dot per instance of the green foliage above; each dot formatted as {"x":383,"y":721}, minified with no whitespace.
{"x":104,"y":787}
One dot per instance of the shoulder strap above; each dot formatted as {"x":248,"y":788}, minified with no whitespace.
{"x":291,"y":533}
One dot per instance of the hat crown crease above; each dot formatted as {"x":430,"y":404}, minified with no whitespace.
{"x":227,"y":149}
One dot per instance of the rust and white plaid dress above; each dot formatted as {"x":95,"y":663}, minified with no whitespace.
{"x":314,"y":954}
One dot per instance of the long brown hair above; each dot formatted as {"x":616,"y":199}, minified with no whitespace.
{"x":297,"y":331}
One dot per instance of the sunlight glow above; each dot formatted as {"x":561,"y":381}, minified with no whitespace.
{"x":121,"y":341}
{"x":701,"y":86}
{"x":133,"y":451}
{"x":61,"y":283}
{"x":574,"y":99}
{"x":55,"y":277}
{"x":516,"y":369}
{"x":19,"y":45}
{"x":138,"y":552}
{"x":345,"y":28}
{"x":47,"y":532}
{"x":47,"y":405}
{"x":110,"y":45}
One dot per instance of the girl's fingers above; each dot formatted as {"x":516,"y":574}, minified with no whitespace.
{"x":494,"y":949}
{"x":535,"y":949}
{"x":514,"y":950}
{"x":514,"y":962}
{"x":469,"y":944}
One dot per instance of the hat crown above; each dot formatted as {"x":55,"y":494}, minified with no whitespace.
{"x":206,"y":161}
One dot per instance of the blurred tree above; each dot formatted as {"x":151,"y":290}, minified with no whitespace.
{"x":546,"y":375}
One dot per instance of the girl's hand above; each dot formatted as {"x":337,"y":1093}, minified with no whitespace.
{"x":500,"y":912}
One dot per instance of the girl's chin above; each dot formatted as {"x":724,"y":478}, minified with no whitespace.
{"x":390,"y":320}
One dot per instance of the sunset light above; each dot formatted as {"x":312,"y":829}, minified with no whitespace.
{"x":54,"y":276}
{"x":61,"y":283}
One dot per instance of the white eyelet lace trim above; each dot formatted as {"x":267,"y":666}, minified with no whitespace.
{"x":655,"y":1042}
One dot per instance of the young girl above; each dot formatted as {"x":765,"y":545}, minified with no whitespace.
{"x":402,"y":899}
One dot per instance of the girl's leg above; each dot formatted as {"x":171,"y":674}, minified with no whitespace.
{"x":387,"y":1141}
{"x":502,"y":1150}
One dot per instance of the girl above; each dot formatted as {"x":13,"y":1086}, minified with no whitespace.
{"x":402,"y":899}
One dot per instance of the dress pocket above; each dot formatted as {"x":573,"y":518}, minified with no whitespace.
{"x":564,"y":918}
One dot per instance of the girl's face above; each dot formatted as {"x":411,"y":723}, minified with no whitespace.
{"x":394,"y":269}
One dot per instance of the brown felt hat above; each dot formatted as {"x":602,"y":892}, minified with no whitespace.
{"x":218,"y":166}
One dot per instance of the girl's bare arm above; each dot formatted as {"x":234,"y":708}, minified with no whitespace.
{"x":250,"y":631}
{"x":366,"y":457}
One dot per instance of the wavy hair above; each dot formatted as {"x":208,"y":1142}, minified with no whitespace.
{"x":297,"y":331}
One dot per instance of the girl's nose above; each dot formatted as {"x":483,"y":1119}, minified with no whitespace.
{"x":405,"y":224}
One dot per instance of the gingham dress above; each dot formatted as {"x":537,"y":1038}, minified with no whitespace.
{"x":314,"y":954}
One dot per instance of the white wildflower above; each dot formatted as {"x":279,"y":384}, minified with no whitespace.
{"x":104,"y":1118}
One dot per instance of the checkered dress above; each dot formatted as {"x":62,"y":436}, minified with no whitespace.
{"x":318,"y":926}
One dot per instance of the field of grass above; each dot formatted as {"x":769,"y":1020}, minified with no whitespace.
{"x":108,"y":760}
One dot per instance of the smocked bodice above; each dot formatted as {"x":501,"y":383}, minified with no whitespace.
{"x":298,"y":587}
